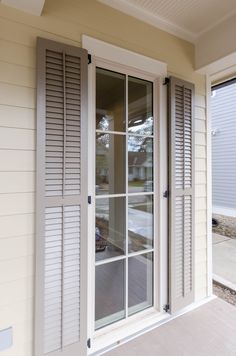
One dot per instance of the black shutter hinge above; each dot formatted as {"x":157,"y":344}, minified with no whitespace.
{"x":166,"y":81}
{"x":89,"y":343}
{"x":166,"y":194}
{"x":166,"y":308}
{"x":89,"y":199}
{"x":89,"y":58}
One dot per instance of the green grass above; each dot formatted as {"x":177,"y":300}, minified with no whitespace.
{"x":136,"y":183}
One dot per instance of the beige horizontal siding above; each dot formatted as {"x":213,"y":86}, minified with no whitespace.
{"x":17,"y":117}
{"x":23,"y":246}
{"x":17,"y":95}
{"x":17,"y":74}
{"x":15,"y":291}
{"x":15,"y":269}
{"x":20,"y":203}
{"x":13,"y":160}
{"x":66,"y":21}
{"x":17,"y":182}
{"x":16,"y":225}
{"x":15,"y":53}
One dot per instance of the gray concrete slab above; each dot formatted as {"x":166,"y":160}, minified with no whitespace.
{"x":216,"y":238}
{"x":224,"y":258}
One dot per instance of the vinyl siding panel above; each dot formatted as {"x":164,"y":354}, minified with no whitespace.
{"x":15,"y":117}
{"x":17,"y":182}
{"x":224,"y":148}
{"x":20,"y":203}
{"x":23,"y":246}
{"x":13,"y":160}
{"x":66,"y":22}
{"x":16,"y":225}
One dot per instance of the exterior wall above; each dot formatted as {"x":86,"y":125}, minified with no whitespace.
{"x":224,"y":150}
{"x":66,"y":21}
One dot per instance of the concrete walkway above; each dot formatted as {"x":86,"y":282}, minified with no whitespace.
{"x":224,"y":260}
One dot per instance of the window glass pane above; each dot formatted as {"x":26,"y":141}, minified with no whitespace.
{"x":110,"y":164}
{"x":110,"y":100}
{"x":140,"y":157}
{"x":140,"y":224}
{"x":140,"y":106}
{"x":140,"y":269}
{"x":110,"y":227}
{"x":109,"y":293}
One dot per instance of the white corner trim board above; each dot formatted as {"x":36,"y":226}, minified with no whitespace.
{"x":123,"y":56}
{"x":34,"y":7}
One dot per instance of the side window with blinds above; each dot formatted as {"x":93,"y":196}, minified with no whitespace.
{"x":181,"y":212}
{"x":61,"y":208}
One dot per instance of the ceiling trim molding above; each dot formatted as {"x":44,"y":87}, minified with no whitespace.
{"x":34,"y":7}
{"x":151,"y":19}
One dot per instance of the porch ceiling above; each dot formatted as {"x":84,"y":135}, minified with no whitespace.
{"x":206,"y":331}
{"x":188,"y":19}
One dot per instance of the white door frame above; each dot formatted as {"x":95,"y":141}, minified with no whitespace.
{"x":105,"y":56}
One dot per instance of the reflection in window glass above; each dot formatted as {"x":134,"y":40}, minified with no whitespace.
{"x":140,"y":106}
{"x":140,"y":289}
{"x":109,"y":293}
{"x":140,"y":222}
{"x":140,"y":157}
{"x":110,"y":164}
{"x":110,"y":227}
{"x":110,"y":100}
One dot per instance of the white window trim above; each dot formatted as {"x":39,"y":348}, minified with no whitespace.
{"x":106,"y":55}
{"x":124,"y":57}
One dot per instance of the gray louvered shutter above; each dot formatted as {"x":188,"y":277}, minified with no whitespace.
{"x":181,"y":124}
{"x":61,"y":207}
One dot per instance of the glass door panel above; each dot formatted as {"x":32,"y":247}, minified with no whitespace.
{"x":110,"y":100}
{"x":110,"y":164}
{"x":140,"y":93}
{"x":140,"y":223}
{"x":140,"y":279}
{"x":110,"y":293}
{"x":110,"y":227}
{"x":140,"y":158}
{"x":124,"y":238}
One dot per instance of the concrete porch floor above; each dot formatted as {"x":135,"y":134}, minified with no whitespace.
{"x":206,"y":331}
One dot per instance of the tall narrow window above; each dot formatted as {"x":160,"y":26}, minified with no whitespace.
{"x":124,"y":239}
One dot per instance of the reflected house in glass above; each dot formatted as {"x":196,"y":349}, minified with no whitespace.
{"x":102,"y":161}
{"x":140,"y":166}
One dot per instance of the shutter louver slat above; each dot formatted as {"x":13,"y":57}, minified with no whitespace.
{"x":61,"y":193}
{"x":181,"y":96}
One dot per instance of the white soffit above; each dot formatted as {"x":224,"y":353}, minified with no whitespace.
{"x":103,"y":50}
{"x":34,"y":7}
{"x":187,"y":19}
